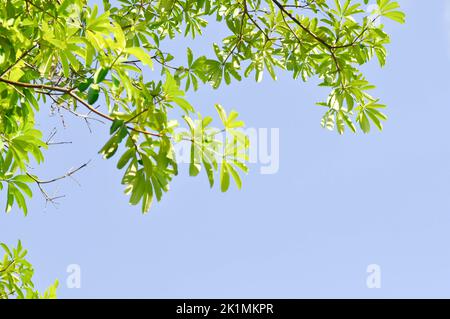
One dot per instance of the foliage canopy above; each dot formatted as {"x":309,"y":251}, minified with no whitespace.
{"x":78,"y":56}
{"x":97,"y":62}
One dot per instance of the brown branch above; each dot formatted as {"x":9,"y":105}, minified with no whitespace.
{"x":70,"y":93}
{"x":312,"y":34}
{"x":358,"y":38}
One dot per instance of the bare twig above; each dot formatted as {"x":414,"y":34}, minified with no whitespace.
{"x":40,"y":183}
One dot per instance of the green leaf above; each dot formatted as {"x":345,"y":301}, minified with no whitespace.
{"x":125,"y":158}
{"x":222,"y":113}
{"x":83,"y":86}
{"x":93,"y":94}
{"x":116,"y":124}
{"x":235,"y":175}
{"x":194,"y":167}
{"x":147,"y":198}
{"x":364,"y":122}
{"x":209,"y":172}
{"x":224,"y":177}
{"x":188,"y":108}
{"x":143,"y":56}
{"x":9,"y":198}
{"x":100,"y":74}
{"x":138,"y":188}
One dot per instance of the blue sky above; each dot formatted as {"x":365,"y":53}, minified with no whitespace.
{"x":336,"y":205}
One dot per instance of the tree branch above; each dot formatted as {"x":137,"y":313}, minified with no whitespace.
{"x":283,"y":9}
{"x":70,"y":93}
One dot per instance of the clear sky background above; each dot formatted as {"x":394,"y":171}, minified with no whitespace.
{"x":336,"y":205}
